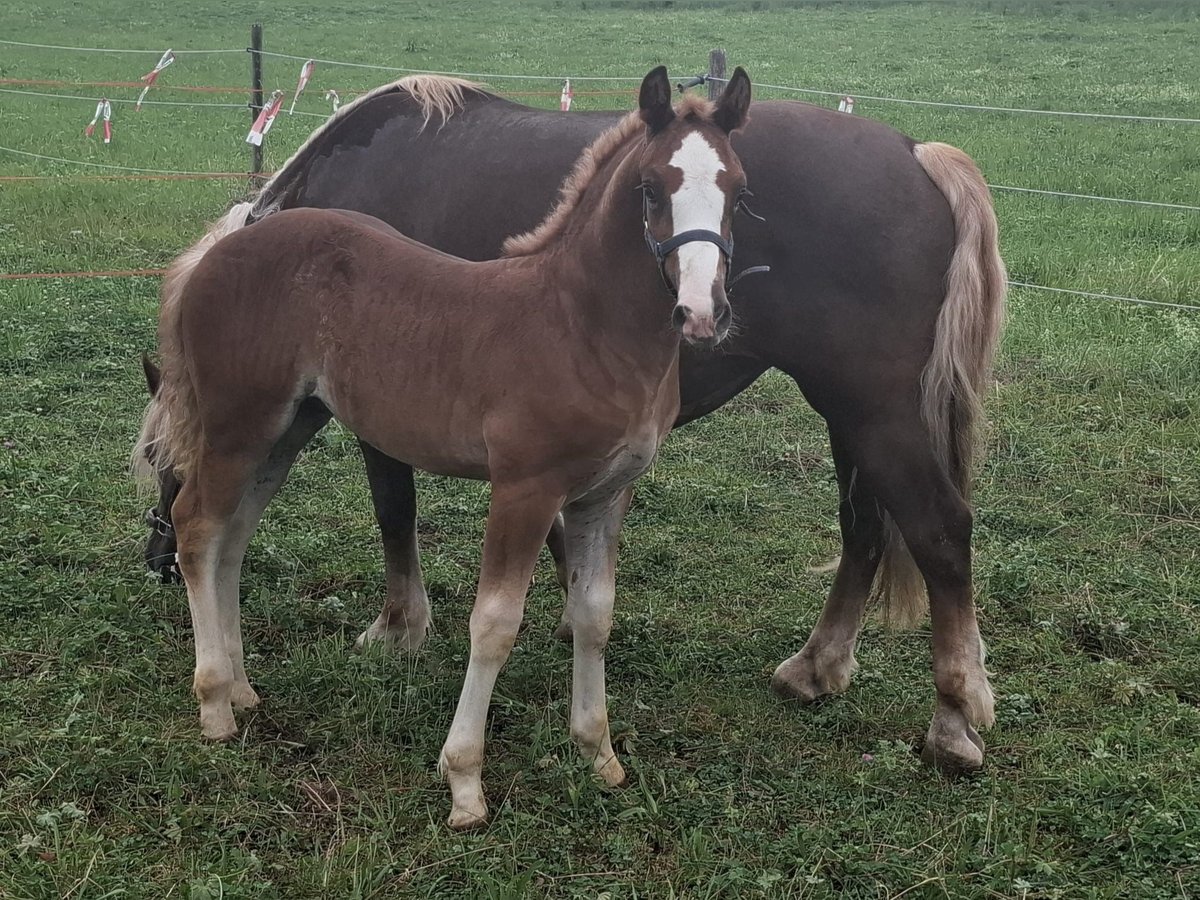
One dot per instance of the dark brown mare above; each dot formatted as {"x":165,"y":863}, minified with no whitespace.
{"x":883,"y":303}
{"x":552,"y":373}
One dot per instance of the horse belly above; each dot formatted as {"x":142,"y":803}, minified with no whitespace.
{"x":438,"y":433}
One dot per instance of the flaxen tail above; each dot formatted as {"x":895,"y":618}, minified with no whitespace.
{"x":170,"y":435}
{"x":960,"y":366}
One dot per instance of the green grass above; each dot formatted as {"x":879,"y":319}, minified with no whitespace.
{"x":1088,"y":519}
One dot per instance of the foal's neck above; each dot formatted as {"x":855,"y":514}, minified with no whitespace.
{"x":612,"y":284}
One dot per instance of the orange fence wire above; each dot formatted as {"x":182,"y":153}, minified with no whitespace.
{"x":115,"y":273}
{"x":183,"y":176}
{"x":50,"y":82}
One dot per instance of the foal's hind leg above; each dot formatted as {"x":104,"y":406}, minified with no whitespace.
{"x":267,"y":481}
{"x":519,"y":517}
{"x":204,"y":514}
{"x":897,"y":462}
{"x":592,"y":532}
{"x":826,"y":662}
{"x":404,"y":621}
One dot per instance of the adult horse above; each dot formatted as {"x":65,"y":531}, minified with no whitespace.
{"x":884,"y":303}
{"x":553,"y":373}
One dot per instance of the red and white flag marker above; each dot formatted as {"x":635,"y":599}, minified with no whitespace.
{"x":152,"y":76}
{"x":103,"y":111}
{"x":266,"y":118}
{"x":305,"y":73}
{"x":564,"y":102}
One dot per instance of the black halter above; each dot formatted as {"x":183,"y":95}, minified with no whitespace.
{"x":664,"y":249}
{"x":158,"y":523}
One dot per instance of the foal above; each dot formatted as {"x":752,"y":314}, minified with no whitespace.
{"x":553,"y":373}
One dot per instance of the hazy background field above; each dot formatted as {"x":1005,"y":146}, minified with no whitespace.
{"x":1088,"y":519}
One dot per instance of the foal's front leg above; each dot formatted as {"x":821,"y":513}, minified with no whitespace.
{"x":518,"y":520}
{"x":592,"y":531}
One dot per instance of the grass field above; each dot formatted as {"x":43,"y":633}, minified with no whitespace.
{"x":1088,"y":515}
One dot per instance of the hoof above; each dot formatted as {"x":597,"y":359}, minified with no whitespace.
{"x":397,"y":640}
{"x":800,"y":678}
{"x":218,"y":726}
{"x":953,"y":751}
{"x":244,"y":697}
{"x":466,"y":820}
{"x":612,"y":773}
{"x":563,"y":632}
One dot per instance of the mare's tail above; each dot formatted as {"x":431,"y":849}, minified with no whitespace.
{"x":960,"y":366}
{"x":170,"y":434}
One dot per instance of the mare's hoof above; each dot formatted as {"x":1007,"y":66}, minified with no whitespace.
{"x":799,"y":678}
{"x":465,"y":819}
{"x":953,"y":752}
{"x":390,"y":640}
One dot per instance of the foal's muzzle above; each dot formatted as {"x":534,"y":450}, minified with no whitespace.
{"x":703,"y":331}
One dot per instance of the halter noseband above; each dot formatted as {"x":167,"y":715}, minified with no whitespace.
{"x":662,"y":250}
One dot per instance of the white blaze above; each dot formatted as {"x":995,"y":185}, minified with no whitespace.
{"x":698,"y":204}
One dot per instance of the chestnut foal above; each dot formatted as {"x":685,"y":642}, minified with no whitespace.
{"x":552,"y":373}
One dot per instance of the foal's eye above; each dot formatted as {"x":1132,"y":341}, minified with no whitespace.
{"x":648,"y":192}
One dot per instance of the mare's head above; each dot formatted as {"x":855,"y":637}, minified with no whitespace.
{"x":691,"y":182}
{"x":160,"y":546}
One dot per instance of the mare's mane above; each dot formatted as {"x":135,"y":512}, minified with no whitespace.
{"x":594,"y":158}
{"x":438,"y":95}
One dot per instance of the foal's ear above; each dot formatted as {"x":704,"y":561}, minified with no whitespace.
{"x":734,"y":106}
{"x":153,"y":374}
{"x":654,"y":100}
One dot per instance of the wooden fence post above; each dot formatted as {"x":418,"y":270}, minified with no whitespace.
{"x":256,"y":96}
{"x":716,"y":69}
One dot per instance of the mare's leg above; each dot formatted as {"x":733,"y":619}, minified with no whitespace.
{"x":518,"y":521}
{"x":897,"y":464}
{"x":556,"y":543}
{"x":404,"y":621}
{"x":592,"y":532}
{"x":826,"y":662}
{"x":707,"y":381}
{"x":266,"y":483}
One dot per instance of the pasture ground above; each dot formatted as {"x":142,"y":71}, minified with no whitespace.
{"x":1088,"y":517}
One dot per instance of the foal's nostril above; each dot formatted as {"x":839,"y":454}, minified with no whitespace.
{"x":680,"y":315}
{"x":724,"y":317}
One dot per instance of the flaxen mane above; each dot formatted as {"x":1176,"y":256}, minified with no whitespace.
{"x":591,"y":161}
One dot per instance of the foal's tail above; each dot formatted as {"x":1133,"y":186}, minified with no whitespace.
{"x":960,"y":366}
{"x":170,"y":434}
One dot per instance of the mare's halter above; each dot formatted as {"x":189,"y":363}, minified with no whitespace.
{"x":158,"y":524}
{"x":169,"y":571}
{"x":662,"y":250}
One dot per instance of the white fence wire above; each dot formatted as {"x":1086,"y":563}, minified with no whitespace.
{"x":632,"y":79}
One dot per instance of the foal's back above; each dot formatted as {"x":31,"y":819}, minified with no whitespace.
{"x":414,"y":350}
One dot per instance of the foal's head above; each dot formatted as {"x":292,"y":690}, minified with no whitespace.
{"x":691,"y":182}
